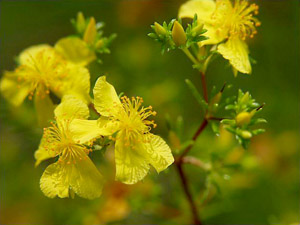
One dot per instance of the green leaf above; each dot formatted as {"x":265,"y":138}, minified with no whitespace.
{"x":196,"y":94}
{"x":228,"y":122}
{"x":258,"y":131}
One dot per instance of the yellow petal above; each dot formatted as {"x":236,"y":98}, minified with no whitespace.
{"x":90,"y":32}
{"x":77,"y":83}
{"x":44,"y":107}
{"x":71,"y":108}
{"x":216,"y":31}
{"x":12,"y":90}
{"x":31,"y":52}
{"x":158,"y":153}
{"x":44,"y":152}
{"x":203,"y":9}
{"x":236,"y":51}
{"x":75,"y":50}
{"x":131,"y":167}
{"x":82,"y":177}
{"x":86,"y":180}
{"x":86,"y":130}
{"x":54,"y":181}
{"x":214,"y":34}
{"x":106,"y":98}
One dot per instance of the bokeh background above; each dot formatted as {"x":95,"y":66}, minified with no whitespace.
{"x":265,"y":191}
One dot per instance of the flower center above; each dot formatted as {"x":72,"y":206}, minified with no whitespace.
{"x":239,"y":20}
{"x":59,"y":140}
{"x":134,"y":119}
{"x":46,"y":68}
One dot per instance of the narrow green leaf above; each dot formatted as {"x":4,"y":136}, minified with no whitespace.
{"x":196,"y":94}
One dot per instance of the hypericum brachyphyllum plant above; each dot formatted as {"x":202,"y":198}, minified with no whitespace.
{"x":214,"y":28}
{"x":58,"y":73}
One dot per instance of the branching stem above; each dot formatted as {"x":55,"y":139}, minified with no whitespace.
{"x":180,"y":160}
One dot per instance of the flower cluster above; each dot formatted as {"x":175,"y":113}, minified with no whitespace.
{"x":46,"y":73}
{"x":218,"y":26}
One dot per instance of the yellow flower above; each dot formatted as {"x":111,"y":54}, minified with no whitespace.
{"x":135,"y":146}
{"x":42,"y":70}
{"x":226,"y":22}
{"x":74,"y":172}
{"x":80,"y":51}
{"x":75,"y":50}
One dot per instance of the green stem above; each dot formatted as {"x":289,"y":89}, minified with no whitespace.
{"x":190,"y":55}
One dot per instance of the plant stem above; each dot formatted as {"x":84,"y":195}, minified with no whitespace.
{"x":196,"y":162}
{"x":184,"y":182}
{"x":196,"y":135}
{"x":179,"y":161}
{"x":204,"y":87}
{"x":190,"y":55}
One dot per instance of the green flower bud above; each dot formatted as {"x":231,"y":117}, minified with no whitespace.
{"x":246,"y":134}
{"x":99,"y":44}
{"x":80,"y":22}
{"x":245,"y":98}
{"x":197,"y":30}
{"x":178,"y":34}
{"x":159,"y":29}
{"x":90,"y":32}
{"x":243,"y":118}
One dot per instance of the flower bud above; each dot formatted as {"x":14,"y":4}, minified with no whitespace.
{"x":80,"y":22}
{"x":246,"y":134}
{"x":159,"y":29}
{"x":243,"y":118}
{"x":245,"y":98}
{"x":99,"y":44}
{"x":197,"y":30}
{"x":90,"y":32}
{"x":178,"y":34}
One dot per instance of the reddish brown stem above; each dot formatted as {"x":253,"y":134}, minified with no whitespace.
{"x":179,"y":160}
{"x":184,"y":182}
{"x":196,"y":135}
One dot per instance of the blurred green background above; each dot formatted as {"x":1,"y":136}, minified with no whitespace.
{"x":266,"y":191}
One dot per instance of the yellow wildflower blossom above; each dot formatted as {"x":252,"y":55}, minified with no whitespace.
{"x":42,"y":70}
{"x":80,"y":50}
{"x":227,"y":25}
{"x":74,"y":172}
{"x":135,"y":146}
{"x":75,"y":50}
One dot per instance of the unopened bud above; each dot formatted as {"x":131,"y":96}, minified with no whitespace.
{"x":90,"y":32}
{"x":99,"y":44}
{"x":197,"y":30}
{"x":159,"y":29}
{"x":243,"y":118}
{"x":178,"y":34}
{"x":216,"y":99}
{"x":80,"y":23}
{"x":246,"y":134}
{"x":245,"y":98}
